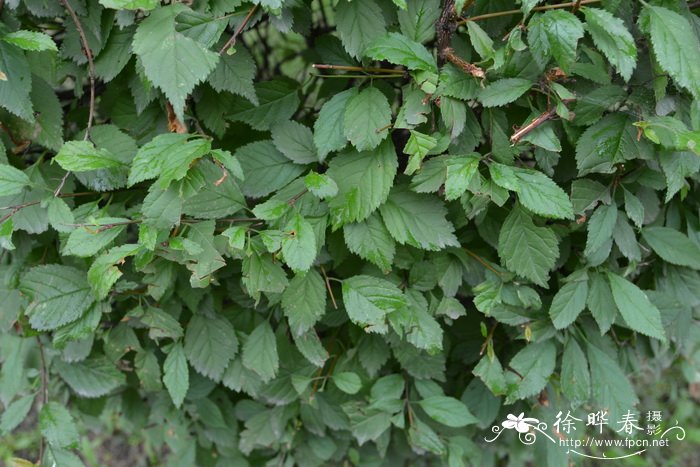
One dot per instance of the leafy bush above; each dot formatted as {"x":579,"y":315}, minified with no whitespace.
{"x":343,"y":233}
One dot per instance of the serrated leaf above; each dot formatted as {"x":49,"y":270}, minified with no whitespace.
{"x":16,"y":82}
{"x":555,"y":33}
{"x":299,"y":244}
{"x":304,"y":301}
{"x":277,"y":101}
{"x":175,"y":374}
{"x":535,"y":362}
{"x":235,"y":74}
{"x":329,"y":133}
{"x":676,"y":48}
{"x":12,"y":180}
{"x":321,"y":185}
{"x":364,"y":180}
{"x":82,"y":156}
{"x":59,"y":295}
{"x":210,"y":344}
{"x":400,"y":50}
{"x":358,"y":23}
{"x":538,"y":193}
{"x":527,"y":249}
{"x":569,"y":301}
{"x":417,"y":220}
{"x":103,"y":272}
{"x":600,"y":227}
{"x":610,"y":141}
{"x":610,"y":386}
{"x":30,"y":40}
{"x":347,"y":381}
{"x":366,"y":119}
{"x":611,"y":37}
{"x":295,"y":141}
{"x":369,"y":299}
{"x":15,"y":413}
{"x":260,"y":352}
{"x":448,"y":411}
{"x":575,"y":377}
{"x":265,"y":168}
{"x":635,"y":307}
{"x":94,"y":377}
{"x":371,"y":240}
{"x":57,"y":426}
{"x":672,"y":246}
{"x":172,"y":61}
{"x":504,"y":91}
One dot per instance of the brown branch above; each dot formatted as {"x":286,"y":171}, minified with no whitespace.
{"x":91,"y":65}
{"x":536,"y":122}
{"x":444,"y":28}
{"x":328,"y":287}
{"x":232,"y":41}
{"x":576,"y":6}
{"x":489,"y":338}
{"x":515,"y":12}
{"x":44,"y":390}
{"x":323,"y":66}
{"x":465,"y":66}
{"x":15,"y":209}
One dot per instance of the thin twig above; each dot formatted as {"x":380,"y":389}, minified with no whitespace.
{"x":91,"y":77}
{"x":482,"y":261}
{"x":323,"y":66}
{"x":232,"y":41}
{"x":536,"y":122}
{"x":44,"y":390}
{"x":91,"y":66}
{"x":576,"y":6}
{"x":462,"y":64}
{"x":489,"y":337}
{"x":328,"y":286}
{"x":496,"y":14}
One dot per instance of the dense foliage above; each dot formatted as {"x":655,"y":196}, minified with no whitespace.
{"x":343,"y":232}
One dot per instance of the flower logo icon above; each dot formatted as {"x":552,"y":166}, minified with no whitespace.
{"x":520,"y":423}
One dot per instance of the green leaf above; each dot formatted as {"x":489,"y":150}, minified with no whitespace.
{"x":635,"y":307}
{"x":400,"y":50}
{"x":541,"y":195}
{"x":482,"y":43}
{"x":676,"y":48}
{"x":417,"y":146}
{"x":59,"y":295}
{"x":30,"y":40}
{"x":417,"y":220}
{"x":16,"y":82}
{"x":347,"y":381}
{"x":104,"y":271}
{"x":364,"y":180}
{"x":366,"y":119}
{"x":610,"y":386}
{"x":329,"y":133}
{"x":210,"y":344}
{"x":535,"y":362}
{"x":359,"y":22}
{"x":82,"y":156}
{"x":57,"y":426}
{"x":418,"y":19}
{"x":260,"y":352}
{"x":527,"y":249}
{"x":320,"y":185}
{"x":610,"y":141}
{"x":568,"y":302}
{"x":261,"y":274}
{"x":87,"y":240}
{"x":304,"y":301}
{"x":15,"y":413}
{"x":448,"y":411}
{"x":504,"y":91}
{"x":672,"y":246}
{"x":94,"y":377}
{"x":611,"y":37}
{"x":153,"y":156}
{"x":600,"y":228}
{"x":371,"y":240}
{"x":295,"y":141}
{"x":12,"y":180}
{"x":299,"y":244}
{"x":235,"y":74}
{"x":554,"y":33}
{"x":462,"y":173}
{"x":265,"y":168}
{"x":575,"y":377}
{"x":172,"y":61}
{"x":601,"y":302}
{"x":130,"y":4}
{"x":369,"y":299}
{"x":277,"y":101}
{"x":175,"y":374}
